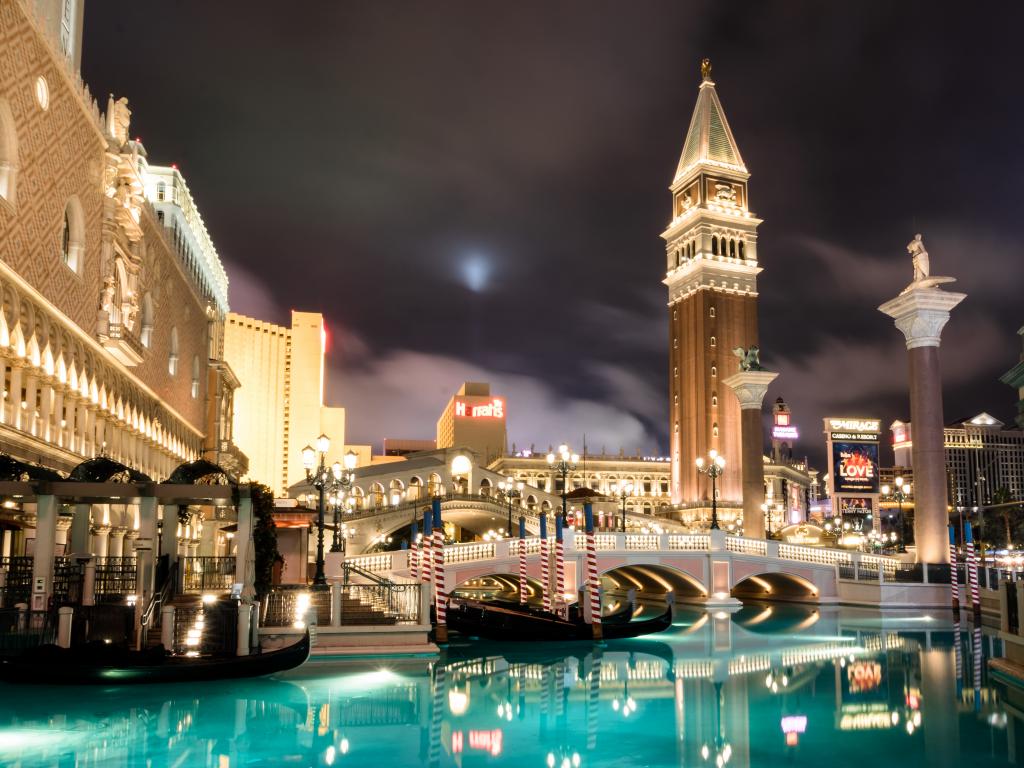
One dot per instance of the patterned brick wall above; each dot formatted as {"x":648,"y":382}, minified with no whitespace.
{"x":61,"y":153}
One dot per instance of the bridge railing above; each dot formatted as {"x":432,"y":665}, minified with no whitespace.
{"x":714,"y":541}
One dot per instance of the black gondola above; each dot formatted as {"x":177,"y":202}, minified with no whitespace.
{"x":496,"y":622}
{"x":107,"y":665}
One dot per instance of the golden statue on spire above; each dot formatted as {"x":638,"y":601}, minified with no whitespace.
{"x":705,"y":68}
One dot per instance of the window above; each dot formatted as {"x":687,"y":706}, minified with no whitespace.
{"x":711,"y":312}
{"x":714,"y":246}
{"x":195,"y":376}
{"x":714,"y":430}
{"x":740,"y":249}
{"x":714,"y":401}
{"x":8,"y":153}
{"x":714,"y":371}
{"x":713,"y":342}
{"x":146,"y":329}
{"x":42,"y":93}
{"x":72,"y":235}
{"x":172,"y":356}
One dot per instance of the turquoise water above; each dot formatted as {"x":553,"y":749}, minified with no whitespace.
{"x":768,"y":686}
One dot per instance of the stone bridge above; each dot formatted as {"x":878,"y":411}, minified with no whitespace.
{"x":709,"y":568}
{"x":476,"y":513}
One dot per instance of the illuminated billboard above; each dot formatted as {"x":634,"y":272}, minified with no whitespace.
{"x":494,"y":409}
{"x":855,"y":467}
{"x":783,"y":428}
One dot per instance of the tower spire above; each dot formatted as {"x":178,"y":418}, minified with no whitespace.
{"x":709,"y":141}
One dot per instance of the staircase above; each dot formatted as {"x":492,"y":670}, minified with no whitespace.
{"x":360,"y":606}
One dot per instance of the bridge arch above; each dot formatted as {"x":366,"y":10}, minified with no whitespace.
{"x":775,"y":585}
{"x":498,"y":585}
{"x":652,"y":581}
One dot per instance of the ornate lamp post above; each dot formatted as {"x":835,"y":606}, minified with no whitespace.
{"x":900,"y":495}
{"x":345,"y":481}
{"x":511,"y":490}
{"x":624,"y":491}
{"x":563,"y":463}
{"x":713,"y":468}
{"x":326,"y":480}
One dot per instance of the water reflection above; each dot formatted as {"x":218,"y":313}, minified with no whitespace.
{"x":769,"y":685}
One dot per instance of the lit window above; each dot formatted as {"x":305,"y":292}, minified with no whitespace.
{"x":713,"y":342}
{"x":72,"y":235}
{"x":172,"y":356}
{"x":195,"y":376}
{"x":43,"y":93}
{"x":711,"y":312}
{"x":714,"y":430}
{"x":714,"y":371}
{"x":714,"y":401}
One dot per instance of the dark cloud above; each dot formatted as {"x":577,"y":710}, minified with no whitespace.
{"x":351,"y":157}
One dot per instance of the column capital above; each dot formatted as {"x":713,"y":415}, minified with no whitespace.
{"x":750,"y":387}
{"x":100,"y":530}
{"x":921,"y":314}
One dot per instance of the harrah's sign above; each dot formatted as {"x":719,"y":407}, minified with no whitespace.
{"x":492,"y":410}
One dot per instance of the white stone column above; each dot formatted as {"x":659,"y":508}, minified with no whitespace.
{"x":81,"y":430}
{"x":14,"y":394}
{"x":42,"y":557}
{"x":46,"y":411}
{"x":750,"y":388}
{"x":100,"y":540}
{"x":920,"y":314}
{"x":169,"y":533}
{"x":59,"y":424}
{"x":145,"y":547}
{"x":61,"y":536}
{"x":115,"y":547}
{"x":29,"y":411}
{"x":243,"y":541}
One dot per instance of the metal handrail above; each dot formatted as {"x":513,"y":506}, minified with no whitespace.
{"x":380,"y":581}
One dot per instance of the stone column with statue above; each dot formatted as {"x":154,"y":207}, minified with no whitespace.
{"x":920,"y":312}
{"x":750,"y":385}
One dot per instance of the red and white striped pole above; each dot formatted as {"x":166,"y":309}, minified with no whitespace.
{"x":522,"y":560}
{"x":954,"y":576}
{"x":440,"y":597}
{"x":426,"y":554}
{"x":545,"y":566}
{"x":560,"y":560}
{"x":593,"y":588}
{"x":414,"y":534}
{"x":972,"y":573}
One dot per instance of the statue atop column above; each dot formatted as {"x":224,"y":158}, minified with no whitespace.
{"x":750,"y":358}
{"x":922,"y":269}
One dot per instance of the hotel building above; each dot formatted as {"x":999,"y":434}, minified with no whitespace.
{"x":280,"y":405}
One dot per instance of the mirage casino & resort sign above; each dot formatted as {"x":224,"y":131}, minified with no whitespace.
{"x":853,"y":449}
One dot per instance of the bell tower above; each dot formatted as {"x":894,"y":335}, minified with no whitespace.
{"x":711,"y":275}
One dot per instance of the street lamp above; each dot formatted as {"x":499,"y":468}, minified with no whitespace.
{"x":900,"y":494}
{"x":713,"y":468}
{"x":345,"y":481}
{"x":564,"y":463}
{"x":624,"y":491}
{"x":326,"y":480}
{"x":511,"y":490}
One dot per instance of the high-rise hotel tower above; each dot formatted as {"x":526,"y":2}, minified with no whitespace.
{"x":711,"y":244}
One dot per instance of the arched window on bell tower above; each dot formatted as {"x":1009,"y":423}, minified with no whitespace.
{"x":714,"y":245}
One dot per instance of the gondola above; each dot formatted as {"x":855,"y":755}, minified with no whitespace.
{"x":496,"y":622}
{"x":108,"y":665}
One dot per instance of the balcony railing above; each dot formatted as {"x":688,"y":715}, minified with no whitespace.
{"x":207,"y":574}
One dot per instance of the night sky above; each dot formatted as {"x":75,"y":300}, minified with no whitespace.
{"x":475,"y":190}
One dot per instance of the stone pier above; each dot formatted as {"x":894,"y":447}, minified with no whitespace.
{"x":750,"y":388}
{"x":921,"y":312}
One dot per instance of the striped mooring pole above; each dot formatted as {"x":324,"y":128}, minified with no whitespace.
{"x":954,"y":577}
{"x":593,"y":587}
{"x":440,"y":598}
{"x":545,"y":566}
{"x":522,"y":560}
{"x":972,"y":573}
{"x":427,"y":554}
{"x":560,"y":559}
{"x":414,"y":550}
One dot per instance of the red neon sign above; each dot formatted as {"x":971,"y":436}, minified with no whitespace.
{"x":492,"y":410}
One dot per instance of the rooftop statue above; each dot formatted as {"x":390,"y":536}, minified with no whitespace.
{"x":922,"y":269}
{"x":705,"y":69}
{"x":750,"y":358}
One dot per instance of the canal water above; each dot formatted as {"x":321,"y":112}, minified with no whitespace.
{"x":771,"y":685}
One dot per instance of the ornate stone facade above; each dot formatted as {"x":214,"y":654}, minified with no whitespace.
{"x":105,"y":335}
